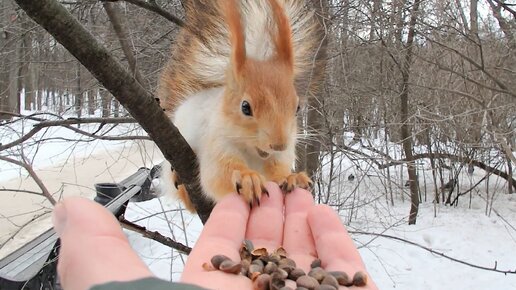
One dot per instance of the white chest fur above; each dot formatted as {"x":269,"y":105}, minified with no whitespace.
{"x":195,"y":118}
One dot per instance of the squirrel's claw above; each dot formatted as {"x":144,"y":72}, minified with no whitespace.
{"x":295,"y":180}
{"x":264,"y":190}
{"x":250,"y":185}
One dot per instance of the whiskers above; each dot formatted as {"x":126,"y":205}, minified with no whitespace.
{"x":237,"y":137}
{"x":306,"y":137}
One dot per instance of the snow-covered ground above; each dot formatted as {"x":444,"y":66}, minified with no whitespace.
{"x":465,"y":232}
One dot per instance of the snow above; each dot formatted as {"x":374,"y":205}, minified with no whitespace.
{"x":461,"y":233}
{"x":482,"y":234}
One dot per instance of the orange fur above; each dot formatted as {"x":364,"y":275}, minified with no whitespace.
{"x":238,"y":152}
{"x":284,"y":36}
{"x":236,"y":35}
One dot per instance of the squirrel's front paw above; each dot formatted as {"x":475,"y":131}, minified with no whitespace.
{"x":299,"y":179}
{"x":250,"y":184}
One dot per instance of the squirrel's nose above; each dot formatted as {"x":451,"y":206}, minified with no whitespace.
{"x":278,"y":147}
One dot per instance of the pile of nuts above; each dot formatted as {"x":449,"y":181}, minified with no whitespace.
{"x":270,"y":271}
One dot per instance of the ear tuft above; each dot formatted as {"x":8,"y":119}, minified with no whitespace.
{"x":283,"y":39}
{"x":236,"y":35}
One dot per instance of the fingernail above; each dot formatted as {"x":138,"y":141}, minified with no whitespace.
{"x":59,"y":218}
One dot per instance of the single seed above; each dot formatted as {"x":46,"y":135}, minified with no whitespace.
{"x":277,"y":282}
{"x":260,"y":252}
{"x":218,"y":259}
{"x":258,"y":262}
{"x":248,"y":245}
{"x":307,"y":282}
{"x":330,"y":280}
{"x":325,"y":287}
{"x":316,"y":263}
{"x":318,"y":273}
{"x":283,"y":273}
{"x":342,"y":278}
{"x":254,"y":275}
{"x":286,"y":268}
{"x":274,"y":258}
{"x":254,"y":268}
{"x":270,"y":268}
{"x":245,"y":252}
{"x":281,"y":252}
{"x":360,"y":279}
{"x":286,"y":288}
{"x":245,"y":267}
{"x":296,"y":273}
{"x":287,"y":261}
{"x":208,"y":267}
{"x":229,"y":266}
{"x":261,"y":282}
{"x":264,"y":259}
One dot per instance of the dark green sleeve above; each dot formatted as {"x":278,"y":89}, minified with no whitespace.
{"x":146,"y":284}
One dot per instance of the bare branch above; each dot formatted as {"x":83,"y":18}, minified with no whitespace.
{"x":493,"y":269}
{"x":34,"y":176}
{"x":114,"y":16}
{"x":152,"y":6}
{"x":462,"y":159}
{"x":72,"y":121}
{"x":156,"y":236}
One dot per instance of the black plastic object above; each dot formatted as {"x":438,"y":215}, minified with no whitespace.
{"x":106,"y":192}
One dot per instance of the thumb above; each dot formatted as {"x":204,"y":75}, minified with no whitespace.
{"x":94,"y":250}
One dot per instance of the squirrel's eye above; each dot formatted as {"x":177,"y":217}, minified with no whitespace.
{"x":246,"y":108}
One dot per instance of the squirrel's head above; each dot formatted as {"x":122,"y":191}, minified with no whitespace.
{"x":260,"y":95}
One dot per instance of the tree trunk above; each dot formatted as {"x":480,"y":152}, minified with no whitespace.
{"x":5,"y":63}
{"x":105,"y":99}
{"x":116,"y":20}
{"x":405,"y":126}
{"x":92,"y":96}
{"x":13,"y":103}
{"x":25,"y":77}
{"x":309,"y":159}
{"x":509,"y":171}
{"x":78,"y":93}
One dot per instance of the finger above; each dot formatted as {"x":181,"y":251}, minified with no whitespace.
{"x":265,"y":226}
{"x":223,"y":234}
{"x":298,"y":241}
{"x":94,"y":250}
{"x":333,"y":243}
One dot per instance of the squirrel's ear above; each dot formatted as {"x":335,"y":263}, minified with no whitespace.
{"x":283,"y":39}
{"x":236,"y":35}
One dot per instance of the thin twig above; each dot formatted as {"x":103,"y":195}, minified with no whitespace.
{"x":151,"y":6}
{"x":156,"y":236}
{"x":34,"y":176}
{"x":66,"y":123}
{"x":493,"y":269}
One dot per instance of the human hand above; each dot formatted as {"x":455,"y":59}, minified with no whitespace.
{"x":306,"y":231}
{"x":94,"y":249}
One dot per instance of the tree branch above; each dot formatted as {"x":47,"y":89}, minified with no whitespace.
{"x":156,"y":236}
{"x":140,"y":103}
{"x":462,"y":159}
{"x":493,"y":269}
{"x":114,"y":16}
{"x":66,"y":123}
{"x":154,"y":8}
{"x":34,"y":176}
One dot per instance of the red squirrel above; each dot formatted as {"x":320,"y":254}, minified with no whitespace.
{"x":230,"y":88}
